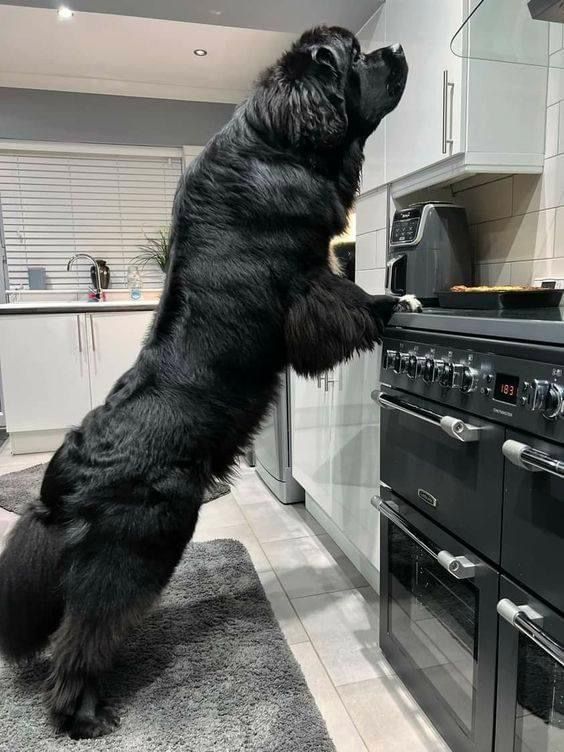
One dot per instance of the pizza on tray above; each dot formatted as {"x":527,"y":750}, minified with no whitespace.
{"x":495,"y":288}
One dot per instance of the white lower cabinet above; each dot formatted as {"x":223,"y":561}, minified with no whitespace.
{"x":56,"y":367}
{"x":44,"y":365}
{"x":114,"y":342}
{"x":311,"y":435}
{"x":335,"y":455}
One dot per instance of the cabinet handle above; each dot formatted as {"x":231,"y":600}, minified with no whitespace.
{"x":446,"y":87}
{"x":92,"y":333}
{"x":528,"y":621}
{"x":459,"y":567}
{"x":319,"y":382}
{"x":79,"y":333}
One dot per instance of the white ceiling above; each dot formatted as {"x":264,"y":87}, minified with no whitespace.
{"x":127,"y":55}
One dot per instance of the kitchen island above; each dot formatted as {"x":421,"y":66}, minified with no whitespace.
{"x":59,"y":359}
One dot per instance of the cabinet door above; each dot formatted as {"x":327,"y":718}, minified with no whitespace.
{"x":114,"y":342}
{"x":311,"y":460}
{"x":355,"y":452}
{"x":44,"y":371}
{"x":414,"y":131}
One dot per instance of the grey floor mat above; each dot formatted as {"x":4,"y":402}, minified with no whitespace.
{"x":17,"y":489}
{"x":208,"y":670}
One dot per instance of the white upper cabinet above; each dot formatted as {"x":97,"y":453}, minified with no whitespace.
{"x":425,"y":127}
{"x":459,"y":116}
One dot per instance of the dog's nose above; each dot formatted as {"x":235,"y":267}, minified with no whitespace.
{"x":396,"y":49}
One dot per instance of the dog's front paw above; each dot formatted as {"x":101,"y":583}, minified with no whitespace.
{"x":409,"y":304}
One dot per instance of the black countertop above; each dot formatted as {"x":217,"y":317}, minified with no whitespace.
{"x":535,"y":325}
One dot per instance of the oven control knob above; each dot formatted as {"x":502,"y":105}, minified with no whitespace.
{"x":447,"y":376}
{"x":468,"y":379}
{"x":537,"y":395}
{"x":400,"y":362}
{"x":554,"y":402}
{"x":432,"y":370}
{"x":389,"y":359}
{"x":415,"y":366}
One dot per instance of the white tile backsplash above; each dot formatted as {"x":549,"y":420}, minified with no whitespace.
{"x":493,"y":274}
{"x":488,"y":202}
{"x":373,"y":281}
{"x":371,"y":250}
{"x":372,"y":211}
{"x":528,"y":236}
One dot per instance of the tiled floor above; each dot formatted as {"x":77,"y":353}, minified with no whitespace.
{"x":325,"y":608}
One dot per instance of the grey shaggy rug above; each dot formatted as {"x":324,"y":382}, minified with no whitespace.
{"x":209,"y":670}
{"x":17,"y":489}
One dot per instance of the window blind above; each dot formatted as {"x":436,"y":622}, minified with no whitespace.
{"x":54,"y":206}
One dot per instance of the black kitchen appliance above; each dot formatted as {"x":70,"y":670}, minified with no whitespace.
{"x":430,"y":251}
{"x":472,"y":511}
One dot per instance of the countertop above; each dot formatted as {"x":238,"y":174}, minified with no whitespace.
{"x":75,"y":306}
{"x":538,"y":325}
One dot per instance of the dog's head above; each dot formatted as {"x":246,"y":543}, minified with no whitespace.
{"x":325,"y":92}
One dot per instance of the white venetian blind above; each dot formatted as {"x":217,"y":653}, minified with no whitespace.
{"x":54,"y":206}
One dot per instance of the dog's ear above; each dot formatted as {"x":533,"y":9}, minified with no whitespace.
{"x":316,"y":100}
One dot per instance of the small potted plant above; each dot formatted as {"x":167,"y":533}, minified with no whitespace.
{"x":156,"y":250}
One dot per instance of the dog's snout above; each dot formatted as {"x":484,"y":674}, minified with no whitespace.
{"x":396,"y":49}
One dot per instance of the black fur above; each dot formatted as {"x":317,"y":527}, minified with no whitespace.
{"x":249,"y":290}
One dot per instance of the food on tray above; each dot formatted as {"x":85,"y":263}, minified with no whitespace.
{"x":494,"y":288}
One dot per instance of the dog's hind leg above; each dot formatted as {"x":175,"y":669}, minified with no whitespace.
{"x":83,"y":649}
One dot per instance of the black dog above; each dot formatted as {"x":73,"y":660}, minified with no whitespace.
{"x":249,"y":290}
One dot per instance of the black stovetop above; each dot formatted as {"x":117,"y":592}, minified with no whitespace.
{"x":534,"y":325}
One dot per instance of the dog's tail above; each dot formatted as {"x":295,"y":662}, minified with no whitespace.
{"x":31,"y":601}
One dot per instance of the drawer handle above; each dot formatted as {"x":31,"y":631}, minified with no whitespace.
{"x":533,"y":460}
{"x":79,"y":333}
{"x":453,"y":427}
{"x":459,"y":567}
{"x":529,"y":622}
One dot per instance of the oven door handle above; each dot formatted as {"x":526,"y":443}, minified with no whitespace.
{"x":533,"y":460}
{"x":458,"y":566}
{"x":453,"y":427}
{"x":529,"y":622}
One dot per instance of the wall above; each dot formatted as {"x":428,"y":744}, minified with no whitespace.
{"x":31,"y":114}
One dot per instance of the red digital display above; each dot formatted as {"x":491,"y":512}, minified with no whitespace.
{"x":506,"y":388}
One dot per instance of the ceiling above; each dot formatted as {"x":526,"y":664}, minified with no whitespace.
{"x":271,"y":15}
{"x":145,"y":48}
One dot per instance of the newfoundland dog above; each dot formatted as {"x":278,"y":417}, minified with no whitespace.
{"x":251,"y":288}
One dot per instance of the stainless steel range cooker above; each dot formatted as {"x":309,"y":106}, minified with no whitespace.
{"x":472,"y":505}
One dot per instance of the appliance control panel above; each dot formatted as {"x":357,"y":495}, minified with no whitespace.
{"x":516,"y":391}
{"x":405,"y":226}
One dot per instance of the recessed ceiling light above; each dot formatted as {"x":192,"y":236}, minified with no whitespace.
{"x":200,"y":53}
{"x":64,"y":12}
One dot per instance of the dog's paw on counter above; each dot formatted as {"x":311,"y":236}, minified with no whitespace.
{"x":408,"y":304}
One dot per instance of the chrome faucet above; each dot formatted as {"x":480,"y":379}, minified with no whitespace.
{"x":98,"y":288}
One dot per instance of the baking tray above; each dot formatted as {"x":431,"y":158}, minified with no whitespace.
{"x":485,"y":301}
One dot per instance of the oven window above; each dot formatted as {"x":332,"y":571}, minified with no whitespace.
{"x":434,"y":619}
{"x":539,"y":724}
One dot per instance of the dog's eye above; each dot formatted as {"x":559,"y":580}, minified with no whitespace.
{"x":356,"y":56}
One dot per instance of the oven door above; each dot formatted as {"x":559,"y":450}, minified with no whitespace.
{"x":438,"y":624}
{"x":533,"y":520}
{"x":447,"y":464}
{"x":530,"y":693}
